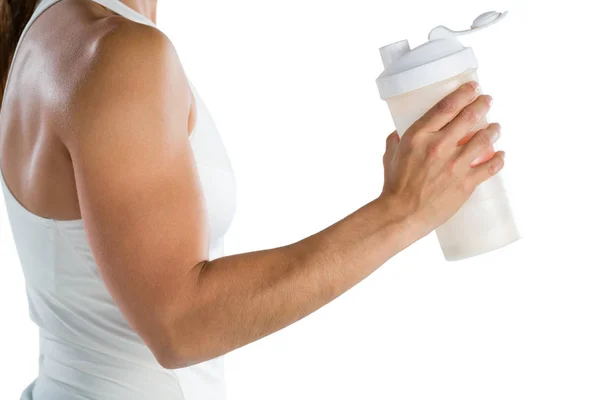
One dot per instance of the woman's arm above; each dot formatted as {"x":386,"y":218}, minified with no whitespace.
{"x":143,"y":209}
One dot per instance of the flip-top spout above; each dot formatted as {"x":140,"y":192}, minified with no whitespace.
{"x":483,"y":21}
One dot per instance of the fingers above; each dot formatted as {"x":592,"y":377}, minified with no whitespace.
{"x":488,"y":169}
{"x":479,"y":144}
{"x":448,"y":108}
{"x":467,"y":118}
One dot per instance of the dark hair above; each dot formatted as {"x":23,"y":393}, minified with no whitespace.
{"x":14,"y":15}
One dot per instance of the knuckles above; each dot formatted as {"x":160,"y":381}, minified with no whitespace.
{"x":452,"y":168}
{"x":447,"y":106}
{"x":469,"y":115}
{"x":435,"y":150}
{"x":412,"y":139}
{"x":483,"y":138}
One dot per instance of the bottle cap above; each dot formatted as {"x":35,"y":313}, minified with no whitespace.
{"x":442,"y":57}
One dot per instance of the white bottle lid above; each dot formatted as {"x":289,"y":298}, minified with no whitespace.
{"x":441,"y":58}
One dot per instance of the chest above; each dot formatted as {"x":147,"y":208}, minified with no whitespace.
{"x":214,"y":169}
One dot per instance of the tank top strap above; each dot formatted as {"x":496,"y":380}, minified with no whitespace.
{"x":124,"y":10}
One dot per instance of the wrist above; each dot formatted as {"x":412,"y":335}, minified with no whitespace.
{"x":404,"y":226}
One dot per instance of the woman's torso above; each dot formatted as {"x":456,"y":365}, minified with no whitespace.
{"x":87,"y":348}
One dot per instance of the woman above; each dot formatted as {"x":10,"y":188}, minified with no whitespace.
{"x":119,"y":192}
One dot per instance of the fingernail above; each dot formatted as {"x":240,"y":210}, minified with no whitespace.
{"x":496,"y":134}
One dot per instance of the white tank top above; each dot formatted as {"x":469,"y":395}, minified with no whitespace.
{"x":87,"y":348}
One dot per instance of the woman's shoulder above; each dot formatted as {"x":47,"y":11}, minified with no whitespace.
{"x":129,"y":48}
{"x":128,"y":63}
{"x":84,"y":41}
{"x":123,"y":37}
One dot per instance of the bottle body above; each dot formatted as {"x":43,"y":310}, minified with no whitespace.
{"x":485,"y":222}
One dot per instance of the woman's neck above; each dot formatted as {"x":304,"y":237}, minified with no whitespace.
{"x":145,"y":7}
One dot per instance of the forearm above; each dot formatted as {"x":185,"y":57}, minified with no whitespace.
{"x":241,"y":298}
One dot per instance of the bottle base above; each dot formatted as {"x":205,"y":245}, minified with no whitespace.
{"x":484,"y":224}
{"x":453,"y":255}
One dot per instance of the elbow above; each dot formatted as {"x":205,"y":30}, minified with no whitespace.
{"x":168,"y":362}
{"x":174,"y":350}
{"x":179,"y":337}
{"x":163,"y":341}
{"x":169,"y":351}
{"x":175,"y":357}
{"x":169,"y":357}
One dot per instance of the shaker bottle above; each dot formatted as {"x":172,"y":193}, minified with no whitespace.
{"x":413,"y":81}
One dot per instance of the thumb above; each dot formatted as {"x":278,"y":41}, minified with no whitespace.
{"x":391,"y":141}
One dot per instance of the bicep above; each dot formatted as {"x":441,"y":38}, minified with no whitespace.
{"x":139,"y":192}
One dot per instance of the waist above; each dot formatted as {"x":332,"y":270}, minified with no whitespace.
{"x":75,"y":370}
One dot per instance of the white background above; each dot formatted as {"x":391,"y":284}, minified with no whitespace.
{"x":291,"y":86}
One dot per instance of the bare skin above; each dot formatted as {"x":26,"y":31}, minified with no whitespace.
{"x":145,"y":216}
{"x":144,"y":7}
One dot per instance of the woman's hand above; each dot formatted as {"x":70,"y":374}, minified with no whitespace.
{"x":428,"y":175}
